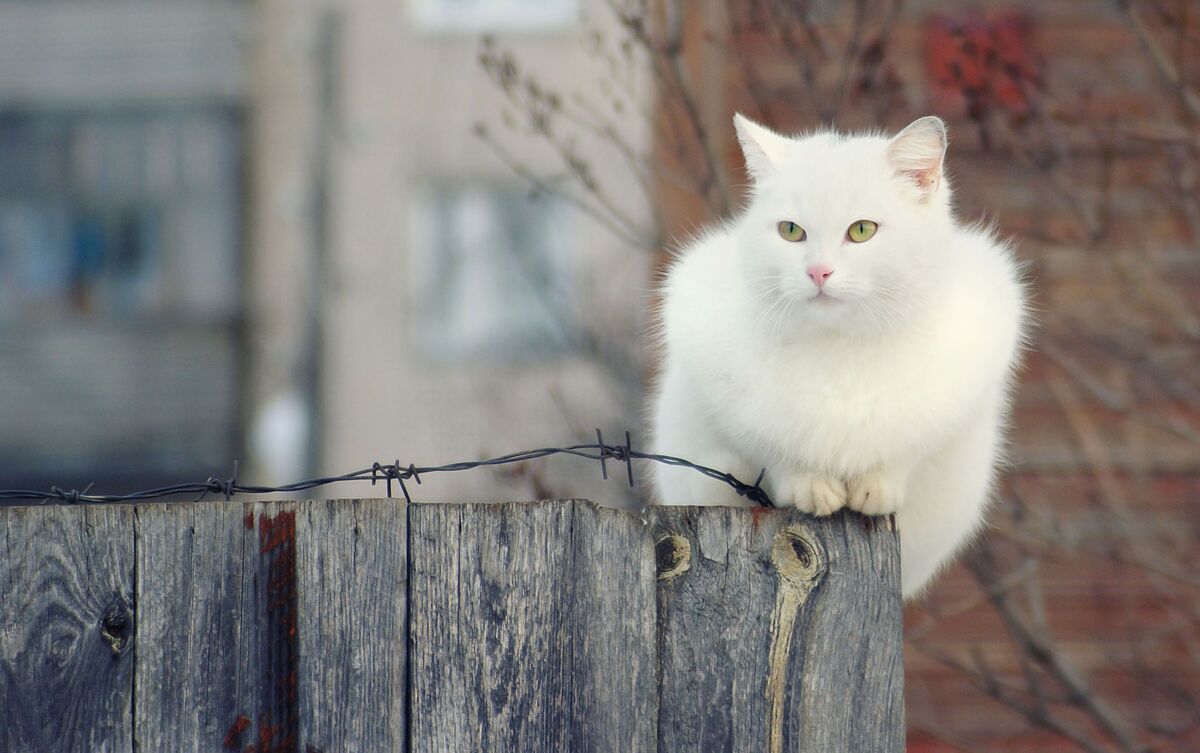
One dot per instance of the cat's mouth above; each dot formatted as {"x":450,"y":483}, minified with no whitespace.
{"x":822,"y":298}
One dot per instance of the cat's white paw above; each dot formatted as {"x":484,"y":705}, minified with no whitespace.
{"x":876,"y":493}
{"x":813,"y":493}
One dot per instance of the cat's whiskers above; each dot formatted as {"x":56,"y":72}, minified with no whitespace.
{"x":778,"y":304}
{"x":879,"y":314}
{"x":891,"y":303}
{"x":783,"y":316}
{"x":864,"y":307}
{"x":769,"y":291}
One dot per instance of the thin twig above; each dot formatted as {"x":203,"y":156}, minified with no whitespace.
{"x":1162,"y":62}
{"x":1040,"y":649}
{"x":541,"y":185}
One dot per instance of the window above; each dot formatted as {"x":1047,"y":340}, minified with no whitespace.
{"x":118,"y":293}
{"x":120,"y":240}
{"x":118,"y":216}
{"x":494,"y":15}
{"x":491,"y":274}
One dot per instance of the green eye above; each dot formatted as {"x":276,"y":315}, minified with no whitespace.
{"x":861,"y":231}
{"x":790,"y":231}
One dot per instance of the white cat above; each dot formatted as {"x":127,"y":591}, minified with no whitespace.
{"x":847,"y":335}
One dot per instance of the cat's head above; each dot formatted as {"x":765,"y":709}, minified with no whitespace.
{"x":844,"y":232}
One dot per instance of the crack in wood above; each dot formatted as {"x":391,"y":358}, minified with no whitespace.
{"x":800,"y":564}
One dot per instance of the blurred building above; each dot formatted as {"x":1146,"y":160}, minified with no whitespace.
{"x":408,"y":297}
{"x":268,"y":232}
{"x":121,"y":222}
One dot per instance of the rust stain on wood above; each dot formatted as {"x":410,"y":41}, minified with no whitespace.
{"x":275,"y":532}
{"x":240,"y":725}
{"x":756,"y":516}
{"x":277,"y":547}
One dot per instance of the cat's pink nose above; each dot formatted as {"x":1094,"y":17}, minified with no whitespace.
{"x":819,"y":273}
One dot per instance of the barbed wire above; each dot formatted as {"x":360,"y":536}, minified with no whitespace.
{"x":397,"y":473}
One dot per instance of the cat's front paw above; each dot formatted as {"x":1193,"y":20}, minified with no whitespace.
{"x":813,"y":493}
{"x":876,"y":493}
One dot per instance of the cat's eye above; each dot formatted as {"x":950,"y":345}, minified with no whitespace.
{"x":790,"y":231}
{"x":860,"y":231}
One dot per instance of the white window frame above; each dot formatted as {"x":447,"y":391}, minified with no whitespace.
{"x":475,"y":16}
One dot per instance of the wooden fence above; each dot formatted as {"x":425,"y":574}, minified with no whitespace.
{"x":371,"y":625}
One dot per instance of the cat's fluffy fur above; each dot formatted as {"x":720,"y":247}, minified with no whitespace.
{"x":887,"y":394}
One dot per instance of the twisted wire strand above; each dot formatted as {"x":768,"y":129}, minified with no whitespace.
{"x":396,"y":474}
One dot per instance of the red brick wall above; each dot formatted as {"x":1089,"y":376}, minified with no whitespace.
{"x":1106,"y":462}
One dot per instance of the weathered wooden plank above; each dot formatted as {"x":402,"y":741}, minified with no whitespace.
{"x":490,"y":652}
{"x":275,"y":625}
{"x":66,"y":659}
{"x":531,"y":629}
{"x":193,"y":642}
{"x":845,"y":678}
{"x":614,"y":672}
{"x":778,"y":632}
{"x":269,"y":655}
{"x":284,"y":626}
{"x":353,"y":636}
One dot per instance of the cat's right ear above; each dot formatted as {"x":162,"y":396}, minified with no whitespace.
{"x":917,"y":153}
{"x":762,"y":147}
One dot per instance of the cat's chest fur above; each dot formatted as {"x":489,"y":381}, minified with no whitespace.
{"x":832,"y":401}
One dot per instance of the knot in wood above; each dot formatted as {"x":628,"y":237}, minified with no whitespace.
{"x":672,"y":556}
{"x":797,"y":556}
{"x":116,"y":626}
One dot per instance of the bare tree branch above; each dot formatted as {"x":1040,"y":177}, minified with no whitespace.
{"x":1162,"y":62}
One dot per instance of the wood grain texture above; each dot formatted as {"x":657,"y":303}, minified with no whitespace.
{"x":778,"y":633}
{"x":66,"y":629}
{"x":194,"y":633}
{"x":276,"y":625}
{"x":846,"y":677}
{"x":372,"y":625}
{"x":614,"y":679}
{"x":353,"y":577}
{"x":532,"y":629}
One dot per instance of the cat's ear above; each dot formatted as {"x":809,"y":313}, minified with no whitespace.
{"x":917,"y":153}
{"x":762,"y":147}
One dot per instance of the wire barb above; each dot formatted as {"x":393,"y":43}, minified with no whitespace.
{"x":389,"y":472}
{"x":629,"y":458}
{"x":603,"y":454}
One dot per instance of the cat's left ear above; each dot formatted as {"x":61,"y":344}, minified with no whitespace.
{"x":917,"y":153}
{"x":762,"y":147}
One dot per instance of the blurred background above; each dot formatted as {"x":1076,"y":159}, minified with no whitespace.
{"x":307,"y":235}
